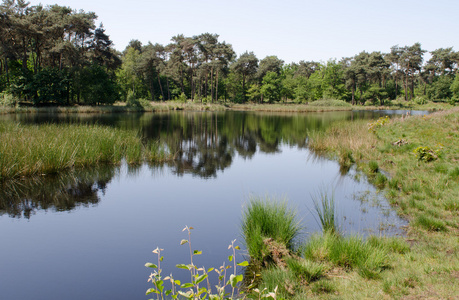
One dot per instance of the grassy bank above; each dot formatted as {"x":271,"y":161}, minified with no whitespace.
{"x":299,"y":268}
{"x":415,"y":161}
{"x":32,"y":149}
{"x":150,"y":106}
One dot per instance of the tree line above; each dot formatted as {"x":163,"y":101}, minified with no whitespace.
{"x":57,"y":55}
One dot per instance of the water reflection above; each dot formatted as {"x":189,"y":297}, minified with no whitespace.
{"x":205,"y":143}
{"x":62,"y":192}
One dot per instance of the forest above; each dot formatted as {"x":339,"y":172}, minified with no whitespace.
{"x":56,"y":55}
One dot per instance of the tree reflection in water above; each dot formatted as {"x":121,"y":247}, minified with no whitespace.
{"x":62,"y":192}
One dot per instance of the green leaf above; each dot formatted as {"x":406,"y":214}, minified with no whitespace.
{"x":187,"y":285}
{"x":182,"y":266}
{"x":177,"y":282}
{"x":201,"y":278}
{"x":237,"y":248}
{"x":161,"y":258}
{"x":239,"y":278}
{"x":188,"y":294}
{"x":152,"y":290}
{"x":168,"y":292}
{"x":150,"y":265}
{"x":182,"y":242}
{"x":230,"y":258}
{"x":196,"y":252}
{"x":210,"y":270}
{"x":243,"y":264}
{"x":232,"y":281}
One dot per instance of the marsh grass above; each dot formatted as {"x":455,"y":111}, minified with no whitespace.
{"x":264,"y":218}
{"x":50,"y":148}
{"x":348,"y":252}
{"x":425,"y":193}
{"x":324,"y":206}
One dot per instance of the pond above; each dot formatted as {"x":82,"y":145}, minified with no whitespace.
{"x":86,"y":234}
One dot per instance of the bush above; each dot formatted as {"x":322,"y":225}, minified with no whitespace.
{"x":7,"y":99}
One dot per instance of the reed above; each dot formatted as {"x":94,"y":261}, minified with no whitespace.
{"x":324,"y":207}
{"x":268,"y":218}
{"x":30,"y":149}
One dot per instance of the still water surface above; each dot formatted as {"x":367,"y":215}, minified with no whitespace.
{"x":86,"y":234}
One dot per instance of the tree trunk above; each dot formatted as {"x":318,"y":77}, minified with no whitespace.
{"x":216,"y":87}
{"x":168,"y":89}
{"x":7,"y":71}
{"x":211,"y":85}
{"x":406,"y":87}
{"x":243,"y":88}
{"x":152,"y":90}
{"x":160,"y":85}
{"x":353,"y":94}
{"x":412,"y":89}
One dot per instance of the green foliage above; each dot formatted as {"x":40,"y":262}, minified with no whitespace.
{"x":182,"y":98}
{"x":373,"y":126}
{"x":440,"y":88}
{"x":426,"y":154}
{"x":268,"y":218}
{"x":7,"y":99}
{"x":200,"y":275}
{"x":272,"y":87}
{"x":97,"y":87}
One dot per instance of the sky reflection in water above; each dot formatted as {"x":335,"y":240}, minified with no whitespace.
{"x":87,"y":234}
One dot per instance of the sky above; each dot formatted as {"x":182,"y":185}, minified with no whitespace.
{"x":293,"y":30}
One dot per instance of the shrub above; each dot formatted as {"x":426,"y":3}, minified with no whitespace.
{"x":427,"y":154}
{"x":373,"y":126}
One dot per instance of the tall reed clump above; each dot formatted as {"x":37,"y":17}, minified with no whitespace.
{"x":268,"y":219}
{"x":324,"y":206}
{"x":31,"y":149}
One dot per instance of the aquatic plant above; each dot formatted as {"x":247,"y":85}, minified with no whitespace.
{"x":324,"y":206}
{"x":50,"y":148}
{"x":268,"y":219}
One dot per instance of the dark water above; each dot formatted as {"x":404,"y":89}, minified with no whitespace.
{"x":86,"y":234}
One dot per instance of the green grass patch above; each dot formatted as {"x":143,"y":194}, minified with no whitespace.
{"x":350,"y":253}
{"x":330,"y":102}
{"x":50,"y":148}
{"x":265,"y":218}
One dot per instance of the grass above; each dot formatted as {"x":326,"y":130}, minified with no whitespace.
{"x":288,"y":106}
{"x":424,"y":192}
{"x":324,"y":206}
{"x":265,"y":218}
{"x":30,"y":149}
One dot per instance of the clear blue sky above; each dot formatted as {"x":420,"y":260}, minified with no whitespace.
{"x":293,"y":30}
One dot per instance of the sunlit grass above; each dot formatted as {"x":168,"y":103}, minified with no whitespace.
{"x":425,"y":193}
{"x":265,"y":218}
{"x":50,"y":148}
